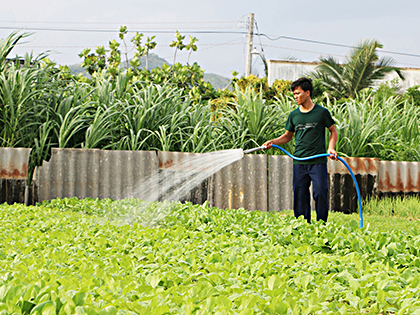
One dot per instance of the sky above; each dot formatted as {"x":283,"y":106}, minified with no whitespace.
{"x":300,"y":30}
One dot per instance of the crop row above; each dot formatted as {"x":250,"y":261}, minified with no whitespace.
{"x":128,"y":257}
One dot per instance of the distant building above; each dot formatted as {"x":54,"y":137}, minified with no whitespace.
{"x":292,"y":70}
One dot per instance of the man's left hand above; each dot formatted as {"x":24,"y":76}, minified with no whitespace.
{"x":333,"y":153}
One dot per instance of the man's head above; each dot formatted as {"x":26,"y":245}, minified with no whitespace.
{"x":304,"y":83}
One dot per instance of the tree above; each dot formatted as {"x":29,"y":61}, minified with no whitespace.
{"x":362,"y":69}
{"x":191,"y":47}
{"x":110,"y":59}
{"x":107,"y":63}
{"x":149,"y":45}
{"x":178,"y":43}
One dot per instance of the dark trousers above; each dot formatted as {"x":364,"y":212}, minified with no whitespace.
{"x":302,"y":177}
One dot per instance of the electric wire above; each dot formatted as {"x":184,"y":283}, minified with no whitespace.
{"x":259,"y":37}
{"x":305,"y":50}
{"x":210,"y":46}
{"x":205,"y":32}
{"x":116,"y":31}
{"x":122,"y":23}
{"x":207,"y":46}
{"x":336,"y":45}
{"x":196,"y":31}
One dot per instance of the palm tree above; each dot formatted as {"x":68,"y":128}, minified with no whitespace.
{"x":362,"y":69}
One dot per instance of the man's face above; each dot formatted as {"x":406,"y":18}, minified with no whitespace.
{"x":300,"y":95}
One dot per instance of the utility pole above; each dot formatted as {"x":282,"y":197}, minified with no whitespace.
{"x":250,"y":44}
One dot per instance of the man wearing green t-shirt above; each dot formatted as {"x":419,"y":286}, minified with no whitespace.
{"x":307,"y":123}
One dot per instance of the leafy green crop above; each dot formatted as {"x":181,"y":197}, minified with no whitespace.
{"x":130,"y":257}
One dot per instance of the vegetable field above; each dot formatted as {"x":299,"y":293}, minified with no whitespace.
{"x":129,"y":257}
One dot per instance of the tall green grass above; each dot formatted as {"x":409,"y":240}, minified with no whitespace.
{"x":41,"y":109}
{"x":372,"y":126}
{"x":249,"y":121}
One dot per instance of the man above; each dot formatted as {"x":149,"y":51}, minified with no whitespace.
{"x":308,"y":123}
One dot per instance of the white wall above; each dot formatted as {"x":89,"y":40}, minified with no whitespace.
{"x":288,"y":70}
{"x":292,"y":70}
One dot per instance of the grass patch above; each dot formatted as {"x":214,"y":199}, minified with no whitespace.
{"x":382,"y":215}
{"x":402,"y":207}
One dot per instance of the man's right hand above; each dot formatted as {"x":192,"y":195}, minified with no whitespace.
{"x":268,"y":144}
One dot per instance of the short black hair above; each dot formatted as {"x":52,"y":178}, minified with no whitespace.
{"x":304,"y":83}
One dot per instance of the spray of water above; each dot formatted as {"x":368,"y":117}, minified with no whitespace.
{"x":173,"y":182}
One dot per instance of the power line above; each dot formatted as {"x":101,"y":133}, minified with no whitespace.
{"x":203,"y":32}
{"x":99,"y":29}
{"x":210,"y":46}
{"x":116,"y":31}
{"x":330,"y":54}
{"x":303,"y":50}
{"x":336,"y":45}
{"x":200,"y":45}
{"x":121,"y":23}
{"x":259,"y":37}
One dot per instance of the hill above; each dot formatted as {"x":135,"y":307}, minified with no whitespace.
{"x":218,"y":81}
{"x":76,"y":69}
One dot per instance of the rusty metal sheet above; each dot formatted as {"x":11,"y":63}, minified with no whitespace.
{"x":342,"y":191}
{"x":361,"y":166}
{"x":178,"y":160}
{"x":14,"y":163}
{"x":15,"y":191}
{"x":399,"y":177}
{"x":14,"y":177}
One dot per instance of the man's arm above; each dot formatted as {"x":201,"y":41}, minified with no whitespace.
{"x":332,"y":141}
{"x":283,"y":139}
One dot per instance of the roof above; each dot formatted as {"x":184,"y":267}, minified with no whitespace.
{"x":317,"y":63}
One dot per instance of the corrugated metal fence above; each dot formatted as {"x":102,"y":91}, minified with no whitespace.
{"x":256,"y":182}
{"x":14,"y":176}
{"x":94,"y":173}
{"x":399,"y":178}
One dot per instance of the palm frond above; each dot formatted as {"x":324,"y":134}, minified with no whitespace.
{"x":362,"y":68}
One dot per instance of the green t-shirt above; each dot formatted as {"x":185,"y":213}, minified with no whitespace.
{"x":309,"y":130}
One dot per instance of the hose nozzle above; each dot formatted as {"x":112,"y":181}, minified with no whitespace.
{"x":254,"y":149}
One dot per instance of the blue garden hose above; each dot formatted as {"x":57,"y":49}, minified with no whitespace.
{"x":318,"y":156}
